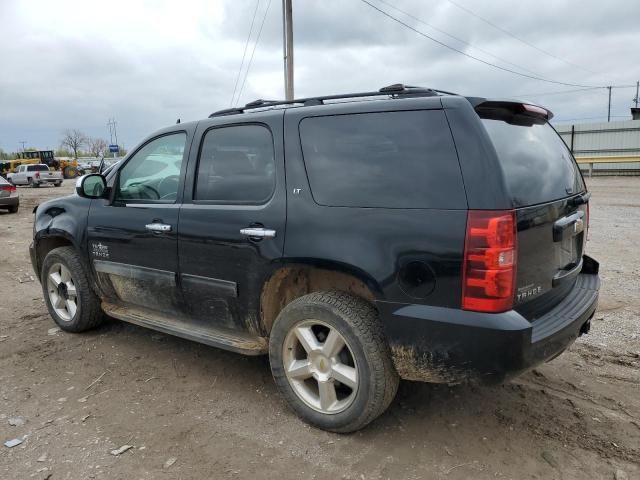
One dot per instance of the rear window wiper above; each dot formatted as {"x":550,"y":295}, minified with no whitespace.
{"x":581,"y":199}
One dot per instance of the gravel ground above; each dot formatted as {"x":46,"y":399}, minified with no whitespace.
{"x":194,"y":412}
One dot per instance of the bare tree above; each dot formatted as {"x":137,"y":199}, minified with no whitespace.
{"x":74,"y":140}
{"x":97,"y":146}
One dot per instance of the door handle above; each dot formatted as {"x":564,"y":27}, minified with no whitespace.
{"x":561,"y":226}
{"x":158,"y":227}
{"x":258,"y":232}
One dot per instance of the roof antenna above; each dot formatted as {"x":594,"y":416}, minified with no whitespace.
{"x":177,"y":121}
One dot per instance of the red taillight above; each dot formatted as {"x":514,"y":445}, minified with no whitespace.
{"x":8,"y":188}
{"x":37,"y":175}
{"x":489,"y":268}
{"x":535,"y":110}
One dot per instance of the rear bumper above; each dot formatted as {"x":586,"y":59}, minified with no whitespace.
{"x":444,"y":345}
{"x":46,"y":181}
{"x":9,"y":201}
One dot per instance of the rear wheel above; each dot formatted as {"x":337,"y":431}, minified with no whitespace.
{"x":331,"y":362}
{"x":57,"y":184}
{"x":69,"y":298}
{"x":14,"y":208}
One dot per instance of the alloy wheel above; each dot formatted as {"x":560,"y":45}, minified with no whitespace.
{"x":320,"y":366}
{"x":62,"y":292}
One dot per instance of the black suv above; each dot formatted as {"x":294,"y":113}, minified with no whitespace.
{"x":356,"y":239}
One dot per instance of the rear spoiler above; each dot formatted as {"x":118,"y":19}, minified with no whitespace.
{"x":510,"y":111}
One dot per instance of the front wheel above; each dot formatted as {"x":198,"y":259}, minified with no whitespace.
{"x":71,"y":302}
{"x":331,"y":362}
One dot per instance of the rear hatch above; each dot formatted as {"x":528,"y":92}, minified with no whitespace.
{"x":550,"y":200}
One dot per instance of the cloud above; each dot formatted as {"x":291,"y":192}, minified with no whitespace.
{"x":75,"y":64}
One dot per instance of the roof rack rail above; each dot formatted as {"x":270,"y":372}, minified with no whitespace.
{"x":397,"y":90}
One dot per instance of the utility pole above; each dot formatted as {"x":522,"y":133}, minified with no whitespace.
{"x":23,"y":142}
{"x":113,"y":133}
{"x":609,"y":111}
{"x":637,"y":88}
{"x":287,"y":43}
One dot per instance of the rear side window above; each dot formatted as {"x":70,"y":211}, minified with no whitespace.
{"x":537,"y":165}
{"x":236,"y":165}
{"x":387,"y":159}
{"x":38,"y":168}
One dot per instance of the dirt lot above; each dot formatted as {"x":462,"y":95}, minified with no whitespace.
{"x":217,"y":415}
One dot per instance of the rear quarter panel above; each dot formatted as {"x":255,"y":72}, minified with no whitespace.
{"x":374,"y":243}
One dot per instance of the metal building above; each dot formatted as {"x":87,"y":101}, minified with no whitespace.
{"x":609,"y":147}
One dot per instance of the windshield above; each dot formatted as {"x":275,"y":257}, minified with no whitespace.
{"x":537,"y":165}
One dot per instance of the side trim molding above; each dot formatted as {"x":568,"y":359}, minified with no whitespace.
{"x":135,"y":271}
{"x":216,"y":286}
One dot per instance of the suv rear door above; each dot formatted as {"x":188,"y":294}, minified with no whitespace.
{"x":547,"y":190}
{"x":232,"y":222}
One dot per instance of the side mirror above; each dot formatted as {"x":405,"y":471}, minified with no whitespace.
{"x":93,"y":185}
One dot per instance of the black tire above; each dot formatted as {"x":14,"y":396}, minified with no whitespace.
{"x":357,"y":321}
{"x":31,"y":183}
{"x":88,"y":314}
{"x":57,"y":184}
{"x":14,"y":208}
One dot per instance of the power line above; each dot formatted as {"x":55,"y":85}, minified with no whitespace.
{"x":512,"y":35}
{"x":534,"y":77}
{"x":244,"y":54}
{"x":544,"y":94}
{"x":587,"y":118}
{"x":410,"y":15}
{"x":570,"y":91}
{"x":246,"y":74}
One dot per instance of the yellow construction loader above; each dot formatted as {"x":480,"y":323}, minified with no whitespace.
{"x":69,"y":168}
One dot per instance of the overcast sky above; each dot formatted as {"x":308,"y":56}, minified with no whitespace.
{"x":76,"y":63}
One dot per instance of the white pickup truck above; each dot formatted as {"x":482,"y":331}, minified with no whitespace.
{"x":35,"y":175}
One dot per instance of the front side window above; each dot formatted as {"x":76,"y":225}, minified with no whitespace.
{"x":153,"y":173}
{"x":236,"y":165}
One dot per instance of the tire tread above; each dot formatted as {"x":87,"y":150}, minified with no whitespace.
{"x":363,"y":318}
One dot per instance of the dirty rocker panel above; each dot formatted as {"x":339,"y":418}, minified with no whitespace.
{"x":214,"y":336}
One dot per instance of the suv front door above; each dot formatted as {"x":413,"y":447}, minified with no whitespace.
{"x":232,"y":221}
{"x":132,"y":238}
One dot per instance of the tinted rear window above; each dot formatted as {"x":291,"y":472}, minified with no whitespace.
{"x":537,"y":165}
{"x":37,"y":168}
{"x":390,"y":159}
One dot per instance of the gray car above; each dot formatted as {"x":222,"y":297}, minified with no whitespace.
{"x":8,"y":196}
